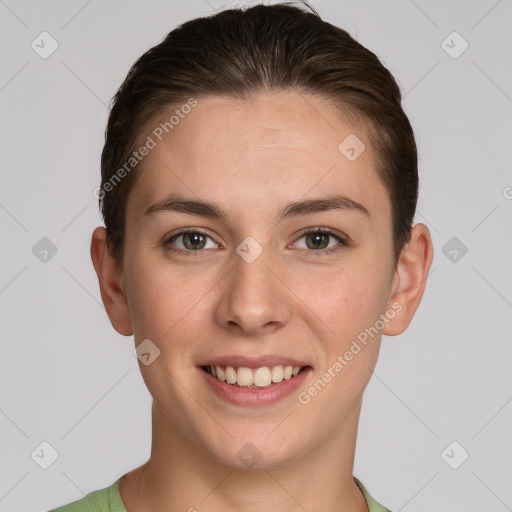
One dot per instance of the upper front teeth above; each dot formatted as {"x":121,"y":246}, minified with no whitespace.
{"x":260,"y":377}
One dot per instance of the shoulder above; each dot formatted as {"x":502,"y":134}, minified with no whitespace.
{"x":373,"y":505}
{"x":102,"y":500}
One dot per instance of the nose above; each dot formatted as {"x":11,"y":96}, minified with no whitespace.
{"x":254,"y":299}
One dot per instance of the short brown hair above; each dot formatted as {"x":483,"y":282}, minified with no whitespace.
{"x":241,"y":52}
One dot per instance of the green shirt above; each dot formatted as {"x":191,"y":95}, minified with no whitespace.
{"x":109,"y":500}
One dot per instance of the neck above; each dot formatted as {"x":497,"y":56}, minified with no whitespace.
{"x":179,"y":476}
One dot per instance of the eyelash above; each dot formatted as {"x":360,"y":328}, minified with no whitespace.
{"x":343,"y":242}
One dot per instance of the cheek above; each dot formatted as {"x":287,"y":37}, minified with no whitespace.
{"x":161,"y":296}
{"x":346,"y":306}
{"x":343,"y":311}
{"x":347,"y":299}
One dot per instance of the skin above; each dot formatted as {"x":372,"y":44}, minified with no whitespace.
{"x":251,"y":158}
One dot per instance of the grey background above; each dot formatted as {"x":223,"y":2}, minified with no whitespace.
{"x":67,"y":378}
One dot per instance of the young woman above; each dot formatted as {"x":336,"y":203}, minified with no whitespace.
{"x":259,"y":183}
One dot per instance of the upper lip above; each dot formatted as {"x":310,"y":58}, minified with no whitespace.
{"x":253,"y":362}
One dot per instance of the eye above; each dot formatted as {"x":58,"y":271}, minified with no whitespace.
{"x":189,"y":240}
{"x":318,"y":241}
{"x":321,"y":241}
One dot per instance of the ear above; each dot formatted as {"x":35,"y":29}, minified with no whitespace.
{"x":111,"y":281}
{"x":410,"y":279}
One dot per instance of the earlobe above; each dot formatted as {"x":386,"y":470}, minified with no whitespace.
{"x":111,"y":281}
{"x":410,"y":279}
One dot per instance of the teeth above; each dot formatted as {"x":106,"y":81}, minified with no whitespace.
{"x":230,"y":375}
{"x":262,"y":377}
{"x":220,"y":374}
{"x":277,"y":374}
{"x":244,"y":377}
{"x":259,"y":378}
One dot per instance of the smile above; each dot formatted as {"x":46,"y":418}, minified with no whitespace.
{"x":261,"y":377}
{"x":240,"y":384}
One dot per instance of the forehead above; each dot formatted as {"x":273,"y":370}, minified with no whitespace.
{"x":271,"y":148}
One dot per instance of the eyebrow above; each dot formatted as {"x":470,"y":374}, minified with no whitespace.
{"x":177,"y":203}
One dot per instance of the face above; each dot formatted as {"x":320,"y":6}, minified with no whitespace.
{"x":256,"y":274}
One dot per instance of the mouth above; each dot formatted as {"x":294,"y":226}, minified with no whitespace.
{"x":253,"y":378}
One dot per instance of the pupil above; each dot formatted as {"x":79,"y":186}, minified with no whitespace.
{"x":191,"y":239}
{"x":317,"y":240}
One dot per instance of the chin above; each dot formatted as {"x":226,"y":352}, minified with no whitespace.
{"x":258,"y":451}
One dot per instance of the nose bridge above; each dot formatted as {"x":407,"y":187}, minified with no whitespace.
{"x":254,"y":297}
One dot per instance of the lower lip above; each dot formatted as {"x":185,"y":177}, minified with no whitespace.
{"x":253,"y":396}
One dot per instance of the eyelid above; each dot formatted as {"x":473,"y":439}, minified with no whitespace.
{"x":343,"y":239}
{"x":183,"y":231}
{"x":343,"y":242}
{"x":320,"y":229}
